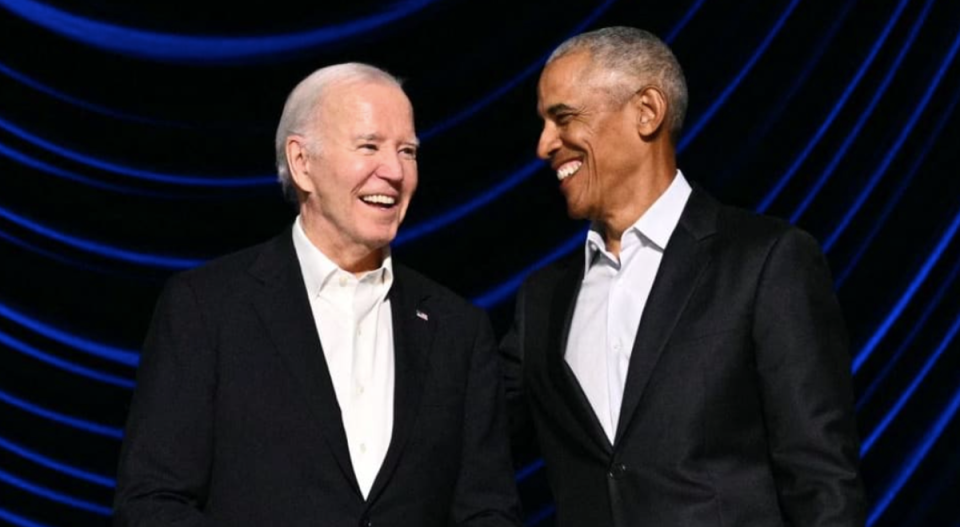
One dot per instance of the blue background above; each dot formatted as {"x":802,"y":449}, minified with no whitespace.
{"x":136,"y":141}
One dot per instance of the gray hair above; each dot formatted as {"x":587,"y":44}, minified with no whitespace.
{"x":300,"y":110}
{"x":639,"y":55}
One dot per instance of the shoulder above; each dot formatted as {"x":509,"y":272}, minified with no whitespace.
{"x":230,"y":274}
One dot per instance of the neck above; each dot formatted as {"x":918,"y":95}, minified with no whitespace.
{"x":351,"y":257}
{"x":638,"y":193}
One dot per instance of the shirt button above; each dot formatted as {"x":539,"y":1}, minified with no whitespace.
{"x":360,"y":390}
{"x":343,"y":281}
{"x":616,"y":346}
{"x":363,"y":448}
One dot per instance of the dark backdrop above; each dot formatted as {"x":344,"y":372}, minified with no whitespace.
{"x":136,"y":141}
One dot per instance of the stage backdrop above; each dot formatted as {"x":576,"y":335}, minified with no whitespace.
{"x":136,"y":141}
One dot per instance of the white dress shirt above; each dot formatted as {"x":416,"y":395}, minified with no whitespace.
{"x":354,"y":322}
{"x":612,"y":299}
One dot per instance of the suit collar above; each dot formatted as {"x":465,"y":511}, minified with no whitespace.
{"x":284,"y":309}
{"x":686,"y":257}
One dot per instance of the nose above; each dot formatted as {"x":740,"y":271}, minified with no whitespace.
{"x":549,"y":141}
{"x":391,"y":167}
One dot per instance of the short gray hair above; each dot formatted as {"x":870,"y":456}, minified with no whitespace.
{"x":640,"y":55}
{"x":300,"y":110}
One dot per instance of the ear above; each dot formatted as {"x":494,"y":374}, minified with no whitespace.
{"x":650,"y":105}
{"x":299,"y":162}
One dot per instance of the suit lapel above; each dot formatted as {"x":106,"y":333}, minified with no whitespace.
{"x":284,"y":308}
{"x":561,"y":314}
{"x":686,"y":257}
{"x":413,"y":330}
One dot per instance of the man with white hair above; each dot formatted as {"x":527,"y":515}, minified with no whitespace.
{"x":311,"y":380}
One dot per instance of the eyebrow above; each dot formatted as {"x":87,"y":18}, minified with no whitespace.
{"x":377,"y":138}
{"x":558,"y":108}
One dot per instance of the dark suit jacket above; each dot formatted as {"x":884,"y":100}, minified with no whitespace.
{"x":737,"y":409}
{"x":235,"y":422}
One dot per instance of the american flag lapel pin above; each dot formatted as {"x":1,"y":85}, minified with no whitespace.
{"x":422,"y":315}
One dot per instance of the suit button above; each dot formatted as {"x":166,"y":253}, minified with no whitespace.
{"x":617,"y":470}
{"x":365,"y":522}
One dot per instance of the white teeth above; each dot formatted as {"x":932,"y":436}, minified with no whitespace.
{"x":380,"y":199}
{"x":568,"y":169}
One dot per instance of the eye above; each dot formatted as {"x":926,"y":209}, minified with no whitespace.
{"x":563,"y":118}
{"x":369,"y":147}
{"x":409,"y":152}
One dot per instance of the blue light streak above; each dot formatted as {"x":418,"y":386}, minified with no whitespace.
{"x":53,"y":495}
{"x":41,"y":166}
{"x":89,"y":373}
{"x":880,"y":220}
{"x":892,"y":152}
{"x":19,"y":521}
{"x":905,"y":345}
{"x":73,"y":422}
{"x":148,"y":175}
{"x":862,"y":120}
{"x":503,"y":291}
{"x":170,"y":47}
{"x":471,"y":110}
{"x":788,"y":175}
{"x":58,"y":466}
{"x":437,"y":222}
{"x":103,"y":351}
{"x":914,"y":460}
{"x":116,"y":253}
{"x":911,"y":290}
{"x":905,"y":396}
{"x":692,"y":132}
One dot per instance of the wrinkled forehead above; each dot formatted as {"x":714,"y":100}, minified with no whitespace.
{"x":365,"y":103}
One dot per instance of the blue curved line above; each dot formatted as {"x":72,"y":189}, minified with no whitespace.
{"x":788,"y":175}
{"x":63,"y":364}
{"x":891,"y":364}
{"x":173,"y":47}
{"x":881,"y":219}
{"x":915,"y":458}
{"x":41,"y":166}
{"x":58,"y":466}
{"x":759,"y":133}
{"x":719,"y":101}
{"x":176,"y":179}
{"x":116,"y":253}
{"x":541,"y":515}
{"x":19,"y":521}
{"x":73,"y":422}
{"x":864,"y":115}
{"x":53,"y":495}
{"x":678,"y":27}
{"x":119,"y":355}
{"x":454,"y":214}
{"x":892,"y":152}
{"x":86,"y":105}
{"x":503,"y":291}
{"x":901,"y":304}
{"x":905,"y":396}
{"x":509,"y":85}
{"x":43,"y":252}
{"x":529,"y":470}
{"x":516,"y":178}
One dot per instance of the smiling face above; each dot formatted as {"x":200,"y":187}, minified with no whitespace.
{"x":590,"y":136}
{"x":357,"y":166}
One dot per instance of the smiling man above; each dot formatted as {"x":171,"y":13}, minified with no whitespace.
{"x":688,"y":367}
{"x":310,"y":380}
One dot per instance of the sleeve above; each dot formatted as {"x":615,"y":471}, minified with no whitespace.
{"x":486,"y":492}
{"x":804,"y":367}
{"x":165,"y":458}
